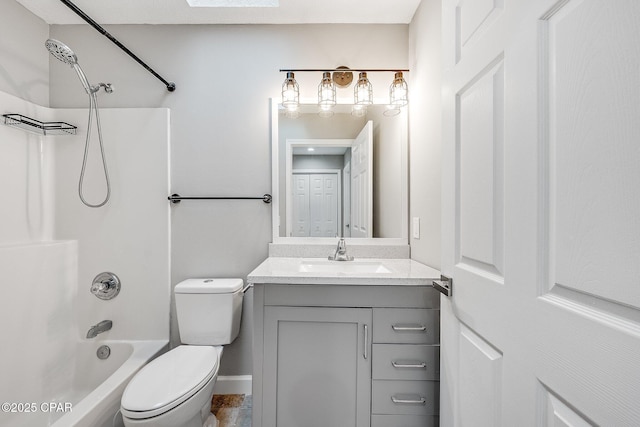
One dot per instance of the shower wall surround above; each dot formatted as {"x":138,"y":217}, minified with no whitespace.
{"x":129,"y":236}
{"x":51,"y":246}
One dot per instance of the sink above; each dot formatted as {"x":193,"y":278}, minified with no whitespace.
{"x":342,"y":267}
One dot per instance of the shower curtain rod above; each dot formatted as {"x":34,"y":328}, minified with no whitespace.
{"x":171,"y":86}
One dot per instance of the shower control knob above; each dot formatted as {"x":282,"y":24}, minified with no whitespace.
{"x":105,"y":286}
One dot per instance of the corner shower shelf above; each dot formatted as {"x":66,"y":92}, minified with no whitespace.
{"x":40,"y":128}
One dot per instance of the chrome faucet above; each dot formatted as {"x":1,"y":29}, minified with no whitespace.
{"x":101,"y":327}
{"x":341,"y":252}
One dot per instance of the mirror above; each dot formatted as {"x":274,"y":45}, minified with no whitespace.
{"x":342,"y":175}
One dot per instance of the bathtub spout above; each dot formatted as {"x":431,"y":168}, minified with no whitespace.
{"x":101,"y":327}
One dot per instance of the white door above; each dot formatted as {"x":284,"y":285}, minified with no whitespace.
{"x":362,"y":183}
{"x":323,"y":208}
{"x":300,"y":205}
{"x":541,"y":213}
{"x":315,"y":206}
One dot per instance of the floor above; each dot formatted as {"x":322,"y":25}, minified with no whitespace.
{"x":232,"y":410}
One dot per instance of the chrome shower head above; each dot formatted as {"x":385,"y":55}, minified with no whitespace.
{"x":61,"y":51}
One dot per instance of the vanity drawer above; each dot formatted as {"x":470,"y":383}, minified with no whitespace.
{"x":404,"y":421}
{"x":406,"y":326}
{"x":406,"y":362}
{"x":405,"y":397}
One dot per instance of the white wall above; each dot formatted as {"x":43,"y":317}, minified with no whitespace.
{"x":24,"y":66}
{"x":220,"y":122}
{"x":389,"y":159}
{"x":425,"y":130}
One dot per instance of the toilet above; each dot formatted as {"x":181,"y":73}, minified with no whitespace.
{"x":175,"y":390}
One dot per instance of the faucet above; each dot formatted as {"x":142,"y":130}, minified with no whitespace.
{"x":101,"y":327}
{"x":341,"y":252}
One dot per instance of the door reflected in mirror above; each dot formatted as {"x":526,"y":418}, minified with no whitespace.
{"x":344,"y":175}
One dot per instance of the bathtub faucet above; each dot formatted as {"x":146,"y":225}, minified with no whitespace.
{"x":101,"y":327}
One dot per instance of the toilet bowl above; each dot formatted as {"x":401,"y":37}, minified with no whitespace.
{"x":175,"y":390}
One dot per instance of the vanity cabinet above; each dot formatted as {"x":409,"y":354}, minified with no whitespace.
{"x":406,"y":367}
{"x":346,"y":355}
{"x":317,"y":366}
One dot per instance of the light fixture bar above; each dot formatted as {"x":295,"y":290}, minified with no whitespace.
{"x":361,"y":70}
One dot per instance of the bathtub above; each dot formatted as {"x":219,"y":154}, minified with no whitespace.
{"x":98,"y":384}
{"x":50,"y":374}
{"x":94,"y":388}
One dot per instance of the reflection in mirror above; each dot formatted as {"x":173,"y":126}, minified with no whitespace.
{"x":344,"y":175}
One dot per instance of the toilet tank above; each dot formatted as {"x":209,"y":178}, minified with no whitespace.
{"x":209,"y":310}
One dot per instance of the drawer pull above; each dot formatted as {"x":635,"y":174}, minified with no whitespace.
{"x":401,"y":401}
{"x":409,"y":328}
{"x":419,"y":365}
{"x":366,"y":342}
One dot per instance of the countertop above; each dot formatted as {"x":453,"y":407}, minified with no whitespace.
{"x":280,"y":270}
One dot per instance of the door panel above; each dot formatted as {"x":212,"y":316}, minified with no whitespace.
{"x":315,"y":372}
{"x":541,"y":213}
{"x":593,"y":165}
{"x":300,"y":205}
{"x":480,"y":117}
{"x":315,"y":204}
{"x":362,"y":183}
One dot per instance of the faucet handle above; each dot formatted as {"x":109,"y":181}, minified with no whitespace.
{"x":105,"y":286}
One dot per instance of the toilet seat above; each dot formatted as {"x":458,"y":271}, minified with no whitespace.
{"x":170,"y":380}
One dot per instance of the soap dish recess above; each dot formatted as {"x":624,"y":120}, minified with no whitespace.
{"x":35,"y":126}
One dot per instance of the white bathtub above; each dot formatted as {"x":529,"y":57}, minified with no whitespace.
{"x":49,"y":374}
{"x":98,"y":384}
{"x":90,"y":396}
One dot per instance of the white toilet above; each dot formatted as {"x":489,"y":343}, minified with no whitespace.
{"x":175,"y":390}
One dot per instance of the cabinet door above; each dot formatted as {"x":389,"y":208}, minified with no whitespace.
{"x":317,"y":367}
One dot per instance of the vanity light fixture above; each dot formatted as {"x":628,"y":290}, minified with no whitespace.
{"x":326,"y":95}
{"x":398,"y":91}
{"x":342,"y":77}
{"x":290,"y":92}
{"x":363,"y":92}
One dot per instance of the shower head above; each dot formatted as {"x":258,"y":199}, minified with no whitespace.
{"x":63,"y":53}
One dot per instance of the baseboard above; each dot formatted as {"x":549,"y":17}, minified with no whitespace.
{"x":233,"y":384}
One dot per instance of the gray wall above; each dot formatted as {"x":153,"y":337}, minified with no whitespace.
{"x":220,"y":129}
{"x":424,"y":130}
{"x":24,"y":62}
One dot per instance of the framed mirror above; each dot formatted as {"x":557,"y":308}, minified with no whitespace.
{"x":345,"y":175}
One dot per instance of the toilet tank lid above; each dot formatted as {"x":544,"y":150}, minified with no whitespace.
{"x":209,"y":286}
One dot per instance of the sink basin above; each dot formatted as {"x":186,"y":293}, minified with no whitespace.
{"x":342,"y":267}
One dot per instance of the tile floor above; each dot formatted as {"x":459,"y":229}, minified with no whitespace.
{"x":232,"y":410}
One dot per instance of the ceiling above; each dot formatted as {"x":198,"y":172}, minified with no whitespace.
{"x":179,"y":12}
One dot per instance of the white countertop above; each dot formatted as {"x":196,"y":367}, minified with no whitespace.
{"x":280,"y":270}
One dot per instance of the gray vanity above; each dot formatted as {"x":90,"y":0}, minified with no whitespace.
{"x":348,"y":344}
